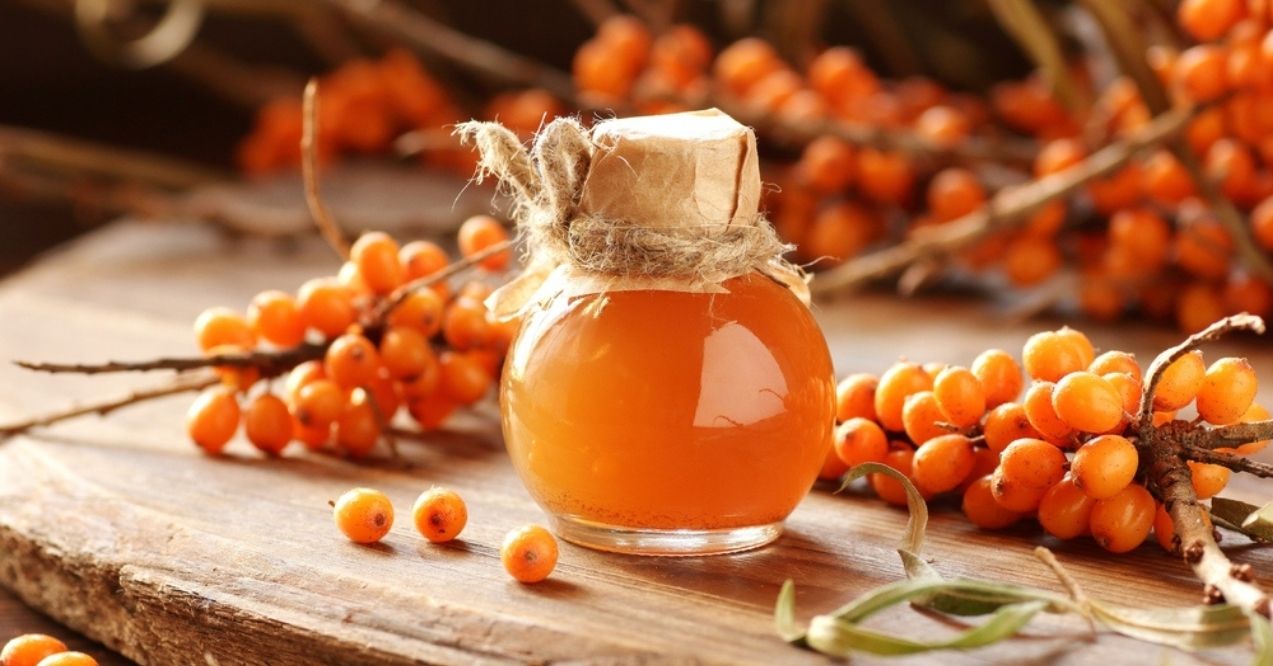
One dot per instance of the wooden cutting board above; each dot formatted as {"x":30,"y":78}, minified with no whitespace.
{"x":120,"y":529}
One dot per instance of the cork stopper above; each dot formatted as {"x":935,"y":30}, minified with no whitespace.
{"x":694,"y":170}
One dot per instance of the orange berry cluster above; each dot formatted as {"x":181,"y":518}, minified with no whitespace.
{"x":365,"y":516}
{"x":364,"y":106}
{"x":1059,"y":453}
{"x":41,"y":650}
{"x":432,"y":353}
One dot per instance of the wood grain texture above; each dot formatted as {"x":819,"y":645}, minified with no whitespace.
{"x":121,"y":530}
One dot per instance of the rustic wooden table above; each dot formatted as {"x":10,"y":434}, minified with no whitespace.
{"x":118,"y":529}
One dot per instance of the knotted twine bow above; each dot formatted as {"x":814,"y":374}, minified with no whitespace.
{"x":548,"y":181}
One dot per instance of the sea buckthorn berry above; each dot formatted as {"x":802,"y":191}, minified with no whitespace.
{"x":405,"y":352}
{"x":1087,"y":403}
{"x":896,"y":384}
{"x":68,"y":659}
{"x":884,"y":177}
{"x":275,"y":316}
{"x":237,"y":377}
{"x":1032,"y":462}
{"x":1208,"y":479}
{"x":352,"y":361}
{"x":268,"y":424}
{"x":838,"y":232}
{"x":827,"y":164}
{"x":213,"y":419}
{"x":1084,"y":346}
{"x":889,"y":489}
{"x":1121,"y":523}
{"x":320,"y":402}
{"x":943,"y":125}
{"x":431,"y":412}
{"x":934,"y":368}
{"x":920,"y":417}
{"x":1042,"y":414}
{"x":1165,"y":179}
{"x":462,"y":378}
{"x":1115,"y":361}
{"x":1197,"y":306}
{"x":1202,"y":72}
{"x":216,"y":327}
{"x":985,"y":462}
{"x":1000,"y":376}
{"x":1013,"y":495}
{"x":1048,"y":356}
{"x":529,"y":553}
{"x":376,"y":255}
{"x":479,"y":233}
{"x":1180,"y":382}
{"x":1058,"y":155}
{"x":1128,"y":387}
{"x":30,"y":649}
{"x":1203,"y":248}
{"x":628,"y":39}
{"x":1006,"y":424}
{"x":960,"y":396}
{"x":421,"y":310}
{"x":942,"y":463}
{"x":465,"y":325}
{"x":744,"y":63}
{"x":1207,"y":20}
{"x":681,"y":54}
{"x":855,"y":397}
{"x":315,"y":438}
{"x":594,"y":71}
{"x":954,"y":193}
{"x":982,"y":510}
{"x":859,"y":440}
{"x":301,"y":375}
{"x":440,"y":514}
{"x":350,"y":278}
{"x":1029,"y":261}
{"x":358,"y":427}
{"x":363,"y":515}
{"x":1262,"y":223}
{"x":1143,"y":235}
{"x":1065,"y":512}
{"x":1246,"y":293}
{"x":422,"y":259}
{"x":1227,"y":391}
{"x":832,"y":467}
{"x":326,"y":306}
{"x":1104,"y":466}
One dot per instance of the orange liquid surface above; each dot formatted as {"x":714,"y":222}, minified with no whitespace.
{"x":668,"y":410}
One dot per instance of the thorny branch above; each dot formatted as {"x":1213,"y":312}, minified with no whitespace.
{"x":268,"y":362}
{"x":309,"y":172}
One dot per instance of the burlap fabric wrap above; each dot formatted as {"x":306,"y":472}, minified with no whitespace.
{"x":665,"y":202}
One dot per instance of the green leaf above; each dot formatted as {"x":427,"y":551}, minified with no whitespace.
{"x":785,"y":615}
{"x":958,"y":597}
{"x":1188,"y":628}
{"x":1262,"y":638}
{"x":1254,"y":521}
{"x":913,"y":541}
{"x":837,"y":637}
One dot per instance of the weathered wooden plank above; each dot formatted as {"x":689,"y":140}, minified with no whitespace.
{"x":121,"y":530}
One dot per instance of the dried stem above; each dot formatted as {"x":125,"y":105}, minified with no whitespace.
{"x":597,"y":11}
{"x":1165,"y":450}
{"x":1006,"y":210}
{"x":1145,"y":418}
{"x":1071,"y":585}
{"x":1252,"y":257}
{"x":268,"y":362}
{"x":1234,"y":435}
{"x":102,"y":407}
{"x":309,"y":171}
{"x":1236,"y":463}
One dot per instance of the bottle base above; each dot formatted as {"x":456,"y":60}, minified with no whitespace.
{"x":665,"y":543}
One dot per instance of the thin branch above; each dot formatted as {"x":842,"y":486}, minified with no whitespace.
{"x":1234,"y":435}
{"x":1145,"y":417}
{"x":1252,"y":257}
{"x":102,"y":407}
{"x":309,"y":171}
{"x":394,"y":299}
{"x":1006,"y":210}
{"x":440,"y":39}
{"x":597,"y":11}
{"x":269,"y":363}
{"x":1169,"y":474}
{"x":1235,"y":463}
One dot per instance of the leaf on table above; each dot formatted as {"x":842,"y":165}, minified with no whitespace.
{"x":1188,"y":628}
{"x":1262,"y":638}
{"x":834,"y":636}
{"x":1254,"y":521}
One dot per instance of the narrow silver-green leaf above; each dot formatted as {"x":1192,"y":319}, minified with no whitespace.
{"x":1254,"y":521}
{"x":913,"y":541}
{"x":837,"y":637}
{"x":785,"y":614}
{"x":962,"y":597}
{"x":1262,"y":639}
{"x":1188,"y":628}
